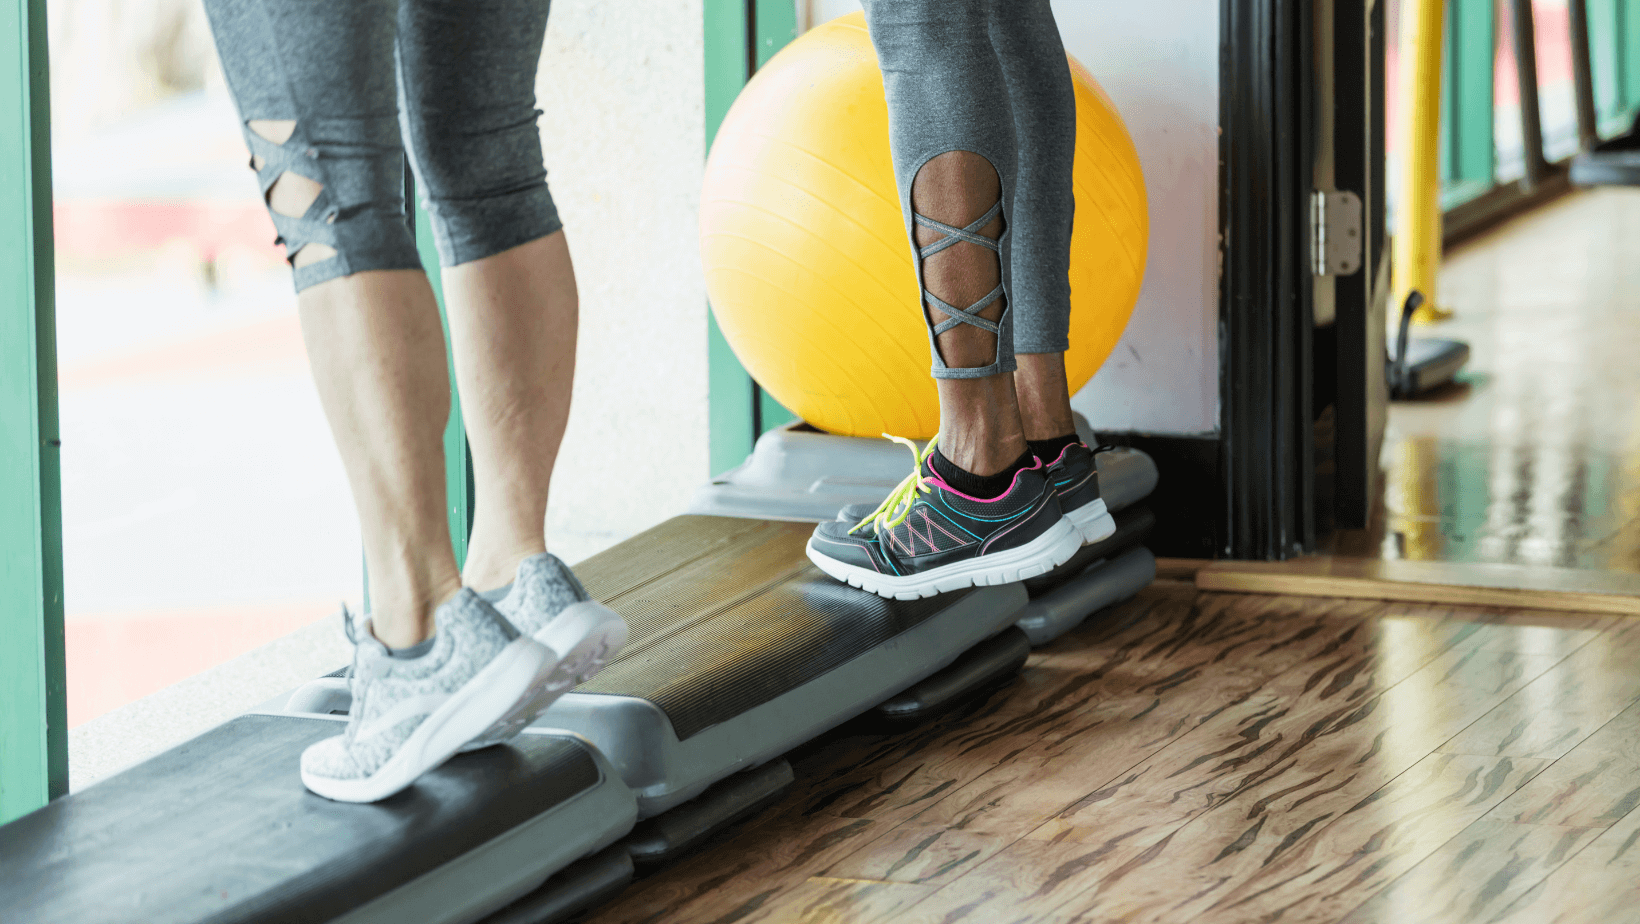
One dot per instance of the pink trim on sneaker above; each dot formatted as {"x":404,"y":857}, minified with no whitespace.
{"x":936,"y":479}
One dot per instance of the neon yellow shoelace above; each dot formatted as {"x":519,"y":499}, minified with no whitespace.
{"x":897,"y":506}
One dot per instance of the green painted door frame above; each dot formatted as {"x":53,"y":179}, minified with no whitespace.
{"x":33,"y":711}
{"x":1468,"y":152}
{"x":740,"y":35}
{"x":458,"y":456}
{"x":1468,"y":145}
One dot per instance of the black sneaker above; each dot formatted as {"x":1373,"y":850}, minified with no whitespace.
{"x":1075,"y":477}
{"x":928,"y":538}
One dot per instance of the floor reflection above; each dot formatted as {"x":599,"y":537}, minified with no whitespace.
{"x":1533,"y":458}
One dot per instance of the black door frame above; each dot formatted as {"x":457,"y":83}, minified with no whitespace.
{"x":1266,"y":309}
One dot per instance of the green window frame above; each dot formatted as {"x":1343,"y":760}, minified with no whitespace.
{"x":1468,"y":145}
{"x":740,"y":36}
{"x":33,"y":703}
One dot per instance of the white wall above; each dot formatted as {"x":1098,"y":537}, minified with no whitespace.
{"x":1159,"y":61}
{"x":621,"y":88}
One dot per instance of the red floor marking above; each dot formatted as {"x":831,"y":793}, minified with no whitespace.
{"x":106,"y":228}
{"x":116,"y":658}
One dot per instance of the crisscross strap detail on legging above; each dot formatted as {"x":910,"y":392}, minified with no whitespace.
{"x":953,"y":235}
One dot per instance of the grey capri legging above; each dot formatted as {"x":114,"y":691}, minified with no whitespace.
{"x":989,"y":77}
{"x":454,"y":79}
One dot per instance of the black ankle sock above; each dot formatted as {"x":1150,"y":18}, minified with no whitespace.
{"x":983,"y":487}
{"x":1048,"y":450}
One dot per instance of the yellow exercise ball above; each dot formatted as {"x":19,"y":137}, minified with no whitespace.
{"x":807,"y":263}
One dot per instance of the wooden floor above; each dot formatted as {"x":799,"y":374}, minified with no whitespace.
{"x":1224,"y":758}
{"x":1534,"y":457}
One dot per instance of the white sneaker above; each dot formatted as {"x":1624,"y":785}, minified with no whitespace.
{"x":409,"y":715}
{"x":546,"y":602}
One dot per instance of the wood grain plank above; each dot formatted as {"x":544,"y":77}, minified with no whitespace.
{"x":829,"y":900}
{"x":1256,"y":781}
{"x":857,"y":789}
{"x":1309,"y":782}
{"x":762,"y":861}
{"x":1594,"y":785}
{"x":1598,"y":885}
{"x":1558,"y":710}
{"x":919,"y":854}
{"x":1101,"y":713}
{"x":1475,"y":875}
{"x":1457,"y":583}
{"x":1377,"y":840}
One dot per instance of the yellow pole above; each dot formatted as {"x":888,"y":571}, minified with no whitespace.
{"x":1418,"y":213}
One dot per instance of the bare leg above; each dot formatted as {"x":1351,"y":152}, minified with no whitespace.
{"x":376,"y":347}
{"x":377,"y":350}
{"x":1044,"y":395}
{"x":513,"y":319}
{"x":980,"y":427}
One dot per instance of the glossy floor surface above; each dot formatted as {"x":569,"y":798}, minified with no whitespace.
{"x":1224,"y":758}
{"x":1534,"y":456}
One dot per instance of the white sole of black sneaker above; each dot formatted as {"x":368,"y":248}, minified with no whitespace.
{"x":497,"y":691}
{"x":583,"y":637}
{"x":1039,"y":556}
{"x":1093,"y":521}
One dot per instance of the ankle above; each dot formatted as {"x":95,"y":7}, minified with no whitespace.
{"x":1044,"y":396}
{"x":404,"y":599}
{"x":401,"y":620}
{"x":489,"y":568}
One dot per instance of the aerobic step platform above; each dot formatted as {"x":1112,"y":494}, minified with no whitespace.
{"x":1615,"y":162}
{"x":1101,"y":575}
{"x":798,"y":473}
{"x":741,"y":650}
{"x":220,"y":829}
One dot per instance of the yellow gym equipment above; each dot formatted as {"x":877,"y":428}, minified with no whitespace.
{"x":805,"y":252}
{"x":1417,"y":242}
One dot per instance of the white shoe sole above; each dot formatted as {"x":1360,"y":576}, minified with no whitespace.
{"x":1093,"y":521}
{"x":582,"y":638}
{"x":502,"y":689}
{"x":1039,"y":556}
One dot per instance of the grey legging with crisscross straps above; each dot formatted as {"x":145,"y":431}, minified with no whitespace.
{"x":989,"y":77}
{"x":452,"y":81}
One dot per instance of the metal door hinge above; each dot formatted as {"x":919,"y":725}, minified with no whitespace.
{"x":1335,"y":232}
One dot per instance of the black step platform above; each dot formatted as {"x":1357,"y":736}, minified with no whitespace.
{"x":220,"y":829}
{"x":1614,"y":162}
{"x":1417,"y":366}
{"x":982,"y":668}
{"x":741,"y":650}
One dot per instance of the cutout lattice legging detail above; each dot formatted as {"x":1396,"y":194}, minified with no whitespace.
{"x":365,"y":82}
{"x":954,"y":235}
{"x":988,"y":77}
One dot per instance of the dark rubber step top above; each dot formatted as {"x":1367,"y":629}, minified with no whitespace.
{"x":221,"y":829}
{"x":727,"y":614}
